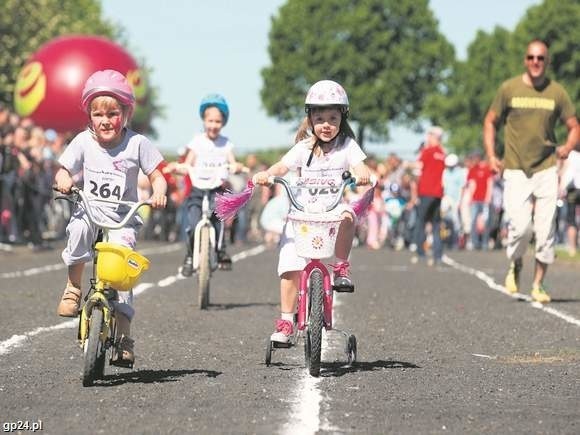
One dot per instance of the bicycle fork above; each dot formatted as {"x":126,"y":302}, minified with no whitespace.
{"x":98,"y":298}
{"x":303,"y":294}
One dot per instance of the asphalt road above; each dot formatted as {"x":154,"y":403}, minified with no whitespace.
{"x":440,"y":350}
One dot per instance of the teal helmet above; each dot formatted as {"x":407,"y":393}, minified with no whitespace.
{"x":215,"y":100}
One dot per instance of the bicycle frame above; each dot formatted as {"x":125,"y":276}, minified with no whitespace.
{"x":100,"y":294}
{"x":314,"y":264}
{"x":205,"y":221}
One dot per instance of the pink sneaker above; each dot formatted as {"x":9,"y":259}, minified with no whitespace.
{"x":284,"y":330}
{"x":342,"y":282}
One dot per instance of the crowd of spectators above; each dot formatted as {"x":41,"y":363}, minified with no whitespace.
{"x":27,"y":163}
{"x":471,"y":208}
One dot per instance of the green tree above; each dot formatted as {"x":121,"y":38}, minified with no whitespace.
{"x":29,"y":24}
{"x":557,"y":23}
{"x":388,"y":54}
{"x":468,"y":92}
{"x":497,"y":56}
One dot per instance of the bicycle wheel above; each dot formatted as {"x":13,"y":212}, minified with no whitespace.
{"x":315,"y":323}
{"x":94,"y":364}
{"x":204,"y":268}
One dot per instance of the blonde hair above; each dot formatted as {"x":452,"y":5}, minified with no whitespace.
{"x":106,"y":102}
{"x":305,"y":131}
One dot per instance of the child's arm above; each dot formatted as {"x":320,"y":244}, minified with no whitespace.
{"x":159,"y":187}
{"x":362,"y":173}
{"x":63,"y":180}
{"x":277,"y":169}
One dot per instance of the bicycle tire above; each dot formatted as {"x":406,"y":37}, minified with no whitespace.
{"x":94,"y":357}
{"x":315,"y":322}
{"x":204,"y":272}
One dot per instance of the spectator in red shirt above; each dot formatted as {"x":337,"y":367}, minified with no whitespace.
{"x":431,"y":164}
{"x":479,"y":184}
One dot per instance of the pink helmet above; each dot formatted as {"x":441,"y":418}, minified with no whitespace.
{"x":326,"y":93}
{"x":108,"y":82}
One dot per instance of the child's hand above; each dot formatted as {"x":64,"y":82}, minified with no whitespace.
{"x":363,"y":176}
{"x":158,"y":200}
{"x":63,"y":181}
{"x":261,"y":178}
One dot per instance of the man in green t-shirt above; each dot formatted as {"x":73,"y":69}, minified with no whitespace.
{"x":529,"y":106}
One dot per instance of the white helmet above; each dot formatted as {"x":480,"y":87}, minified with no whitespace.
{"x":326,"y":93}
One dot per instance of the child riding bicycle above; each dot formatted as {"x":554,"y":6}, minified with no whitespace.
{"x":325,"y":148}
{"x":206,"y":150}
{"x":109,"y":156}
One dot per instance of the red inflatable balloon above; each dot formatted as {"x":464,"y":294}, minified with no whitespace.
{"x":48,"y":89}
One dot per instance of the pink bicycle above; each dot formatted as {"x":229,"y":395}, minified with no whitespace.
{"x":315,"y":236}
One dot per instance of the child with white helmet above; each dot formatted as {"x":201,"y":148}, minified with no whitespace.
{"x":325,"y":148}
{"x":109,"y":156}
{"x":207,"y":149}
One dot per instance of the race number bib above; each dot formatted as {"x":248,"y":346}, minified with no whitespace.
{"x":319,"y":190}
{"x":105,"y":183}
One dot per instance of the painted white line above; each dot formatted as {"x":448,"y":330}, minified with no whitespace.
{"x":17,"y":340}
{"x":32,"y":271}
{"x":305,"y":413}
{"x":500,"y":288}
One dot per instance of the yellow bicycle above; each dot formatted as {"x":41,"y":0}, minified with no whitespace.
{"x":115,"y":268}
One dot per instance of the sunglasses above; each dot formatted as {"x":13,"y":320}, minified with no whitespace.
{"x":538,"y":58}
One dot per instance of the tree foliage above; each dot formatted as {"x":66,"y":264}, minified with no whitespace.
{"x":29,"y":24}
{"x":388,"y":54}
{"x":495,"y":57}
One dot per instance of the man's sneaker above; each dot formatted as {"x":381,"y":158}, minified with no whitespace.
{"x":224,"y":260}
{"x":70,"y":302}
{"x":284,"y":331}
{"x":540,"y":295}
{"x":342,"y":282}
{"x":512,"y":279}
{"x":187,"y":267}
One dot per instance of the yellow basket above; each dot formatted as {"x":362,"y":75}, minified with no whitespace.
{"x":119,"y":266}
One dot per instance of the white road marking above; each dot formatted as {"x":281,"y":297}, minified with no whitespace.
{"x":305,"y":413}
{"x":500,"y":288}
{"x":18,"y":340}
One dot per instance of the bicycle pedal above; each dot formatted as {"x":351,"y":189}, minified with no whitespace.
{"x":343,"y":289}
{"x":279,"y":345}
{"x":122,"y":363}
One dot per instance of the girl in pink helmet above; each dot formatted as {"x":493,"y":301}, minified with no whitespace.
{"x":325,"y":148}
{"x":108,"y":157}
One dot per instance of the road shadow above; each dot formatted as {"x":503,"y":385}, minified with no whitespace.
{"x":152,"y":376}
{"x":224,"y":307}
{"x":337,"y":369}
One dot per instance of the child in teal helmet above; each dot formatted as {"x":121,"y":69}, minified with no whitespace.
{"x":207,"y":149}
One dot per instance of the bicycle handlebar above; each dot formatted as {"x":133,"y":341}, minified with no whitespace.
{"x":86,"y":200}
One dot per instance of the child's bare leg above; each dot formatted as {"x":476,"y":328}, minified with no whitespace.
{"x":75,"y":275}
{"x":344,"y":237}
{"x":71,"y":298}
{"x":342,"y":281}
{"x":289,"y":291}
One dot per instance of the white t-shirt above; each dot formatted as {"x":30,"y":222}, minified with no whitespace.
{"x":209,"y":154}
{"x":111,"y":173}
{"x":325,"y":169}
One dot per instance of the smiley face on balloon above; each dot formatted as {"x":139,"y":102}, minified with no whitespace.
{"x":49,"y":86}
